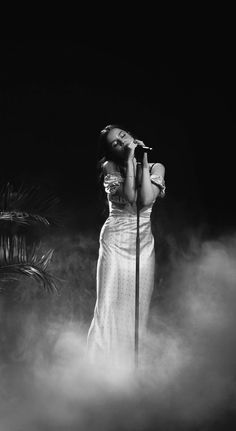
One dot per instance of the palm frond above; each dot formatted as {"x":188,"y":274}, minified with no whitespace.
{"x":28,"y":205}
{"x":22,"y":218}
{"x":12,"y":272}
{"x":16,"y":259}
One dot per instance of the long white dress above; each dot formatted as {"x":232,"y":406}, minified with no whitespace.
{"x":111,"y":333}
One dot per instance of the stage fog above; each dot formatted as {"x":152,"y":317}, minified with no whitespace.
{"x":56,"y":96}
{"x":188,"y":378}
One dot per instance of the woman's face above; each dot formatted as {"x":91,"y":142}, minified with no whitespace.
{"x":117,"y":139}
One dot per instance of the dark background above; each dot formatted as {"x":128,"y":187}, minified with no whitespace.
{"x":178,"y":96}
{"x":56,"y":95}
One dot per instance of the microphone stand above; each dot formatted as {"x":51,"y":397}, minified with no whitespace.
{"x":139,"y":157}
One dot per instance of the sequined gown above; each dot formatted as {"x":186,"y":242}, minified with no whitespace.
{"x":111,"y":333}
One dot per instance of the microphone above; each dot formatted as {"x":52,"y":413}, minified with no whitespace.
{"x":140,"y":150}
{"x":141,"y":147}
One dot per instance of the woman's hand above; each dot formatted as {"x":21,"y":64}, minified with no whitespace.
{"x":145,"y":159}
{"x":138,"y":142}
{"x":129,"y":147}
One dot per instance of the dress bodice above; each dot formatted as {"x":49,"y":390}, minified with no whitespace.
{"x":118,"y":205}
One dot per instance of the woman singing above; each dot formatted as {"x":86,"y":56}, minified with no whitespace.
{"x":111,"y":334}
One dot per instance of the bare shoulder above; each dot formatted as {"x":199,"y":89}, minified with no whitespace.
{"x":158,"y":168}
{"x":108,"y":167}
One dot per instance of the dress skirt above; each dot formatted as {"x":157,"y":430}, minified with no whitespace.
{"x":111,"y":335}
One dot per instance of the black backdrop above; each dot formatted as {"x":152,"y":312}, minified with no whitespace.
{"x":178,"y":97}
{"x":57,"y":94}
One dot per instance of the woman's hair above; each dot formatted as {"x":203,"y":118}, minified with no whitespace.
{"x":105,"y":151}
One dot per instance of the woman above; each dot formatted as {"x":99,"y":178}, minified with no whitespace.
{"x":111,"y":334}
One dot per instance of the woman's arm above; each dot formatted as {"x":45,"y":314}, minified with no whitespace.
{"x":149,"y":191}
{"x":129,"y":188}
{"x":126,"y":189}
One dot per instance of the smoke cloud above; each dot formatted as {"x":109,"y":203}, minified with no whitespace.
{"x":186,"y":380}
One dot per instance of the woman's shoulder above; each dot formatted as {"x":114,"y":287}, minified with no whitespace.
{"x":156,"y":166}
{"x":109,"y":167}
